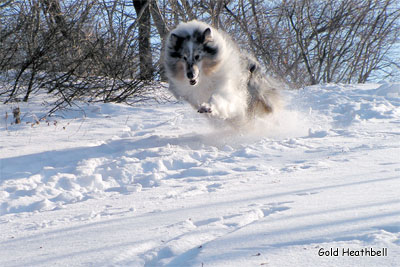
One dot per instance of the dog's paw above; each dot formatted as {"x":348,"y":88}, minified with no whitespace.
{"x":205,"y":108}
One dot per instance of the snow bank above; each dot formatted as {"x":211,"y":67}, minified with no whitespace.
{"x":156,"y":145}
{"x":211,"y":194}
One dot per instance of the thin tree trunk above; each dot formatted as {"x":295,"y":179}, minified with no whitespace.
{"x":145,"y":55}
{"x":162,"y":29}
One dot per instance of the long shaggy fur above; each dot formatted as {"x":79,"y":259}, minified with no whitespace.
{"x":205,"y":68}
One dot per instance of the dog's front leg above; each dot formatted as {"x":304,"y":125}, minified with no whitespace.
{"x":205,"y":108}
{"x":225,"y":106}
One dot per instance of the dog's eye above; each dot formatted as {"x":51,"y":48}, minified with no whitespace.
{"x":196,"y":57}
{"x":184,"y":58}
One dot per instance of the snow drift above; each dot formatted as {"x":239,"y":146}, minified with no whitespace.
{"x":159,"y":185}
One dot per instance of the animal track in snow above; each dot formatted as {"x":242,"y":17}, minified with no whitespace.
{"x":196,"y":234}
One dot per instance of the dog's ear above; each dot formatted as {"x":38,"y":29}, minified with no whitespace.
{"x":207,"y":36}
{"x":176,"y":41}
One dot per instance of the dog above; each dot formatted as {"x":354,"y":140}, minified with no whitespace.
{"x":205,"y":67}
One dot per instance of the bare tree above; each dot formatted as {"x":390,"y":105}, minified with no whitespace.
{"x":85,"y":50}
{"x":313,"y":41}
{"x":111,"y":50}
{"x":143,"y":17}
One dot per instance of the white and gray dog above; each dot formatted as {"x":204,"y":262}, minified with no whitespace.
{"x":205,"y":68}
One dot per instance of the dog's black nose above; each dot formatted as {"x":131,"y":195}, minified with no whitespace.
{"x":190,"y":75}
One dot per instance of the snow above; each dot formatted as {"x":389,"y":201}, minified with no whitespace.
{"x":160,"y":185}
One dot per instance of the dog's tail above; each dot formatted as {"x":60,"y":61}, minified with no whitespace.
{"x":263,"y":90}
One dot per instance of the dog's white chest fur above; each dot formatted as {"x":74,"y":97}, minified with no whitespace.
{"x":196,"y":94}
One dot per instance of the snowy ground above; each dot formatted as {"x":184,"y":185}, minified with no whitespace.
{"x":157,"y":185}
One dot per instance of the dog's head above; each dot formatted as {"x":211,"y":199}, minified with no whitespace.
{"x":187,"y":50}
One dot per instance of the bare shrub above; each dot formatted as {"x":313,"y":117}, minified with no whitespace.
{"x":112,"y":50}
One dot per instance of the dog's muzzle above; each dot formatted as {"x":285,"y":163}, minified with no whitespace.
{"x":192,"y":77}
